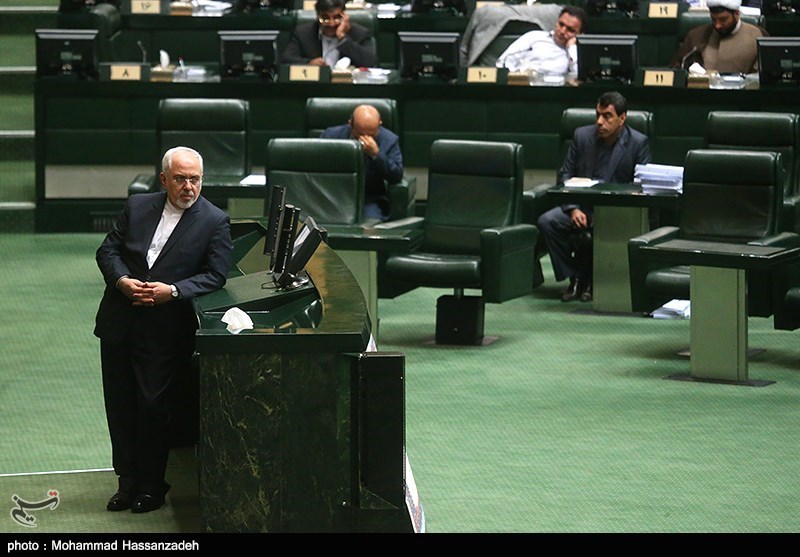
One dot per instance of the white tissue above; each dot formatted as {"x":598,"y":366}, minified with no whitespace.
{"x":237,"y":320}
{"x":342,"y":64}
{"x":697,"y":69}
{"x":163,"y":58}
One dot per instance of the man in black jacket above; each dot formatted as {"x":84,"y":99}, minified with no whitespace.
{"x":164,"y":249}
{"x":329,"y":39}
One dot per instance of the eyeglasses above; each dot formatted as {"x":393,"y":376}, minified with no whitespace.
{"x":181,"y":179}
{"x":325,"y":20}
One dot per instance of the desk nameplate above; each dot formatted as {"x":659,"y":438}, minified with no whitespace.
{"x":121,"y":71}
{"x":144,"y":7}
{"x":663,"y":10}
{"x":304,"y":73}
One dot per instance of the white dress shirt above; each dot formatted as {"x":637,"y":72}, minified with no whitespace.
{"x":169,"y":220}
{"x":536,"y":50}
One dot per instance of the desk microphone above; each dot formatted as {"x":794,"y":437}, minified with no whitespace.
{"x":144,"y":52}
{"x":686,"y":57}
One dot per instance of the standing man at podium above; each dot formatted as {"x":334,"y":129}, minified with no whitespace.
{"x":163,"y":250}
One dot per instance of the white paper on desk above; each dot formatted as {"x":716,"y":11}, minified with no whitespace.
{"x":254,"y":180}
{"x":580,"y":183}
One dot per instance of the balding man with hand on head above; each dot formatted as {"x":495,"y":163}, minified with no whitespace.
{"x":383,"y":161}
{"x":726,"y":45}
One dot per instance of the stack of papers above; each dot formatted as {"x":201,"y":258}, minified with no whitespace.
{"x":654,"y":177}
{"x":674,"y":309}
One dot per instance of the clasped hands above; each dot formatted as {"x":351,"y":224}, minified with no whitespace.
{"x":145,"y":293}
{"x":578,"y":219}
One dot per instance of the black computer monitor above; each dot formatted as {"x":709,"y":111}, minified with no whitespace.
{"x":284,"y":242}
{"x":428,"y":54}
{"x":248,"y":54}
{"x":778,"y":60}
{"x":277,"y":195}
{"x":305,"y":243}
{"x":457,"y":7}
{"x":608,"y":57}
{"x":66,"y":53}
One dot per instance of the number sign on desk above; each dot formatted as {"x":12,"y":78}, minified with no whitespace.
{"x":139,"y":7}
{"x":477,"y":74}
{"x":667,"y":10}
{"x":658,"y":78}
{"x":303,"y":73}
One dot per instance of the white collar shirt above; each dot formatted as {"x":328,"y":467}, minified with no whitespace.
{"x":538,"y":51}
{"x":169,"y":220}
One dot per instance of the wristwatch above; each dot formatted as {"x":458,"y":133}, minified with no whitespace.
{"x":175,"y":293}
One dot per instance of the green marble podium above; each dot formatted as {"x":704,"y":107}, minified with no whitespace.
{"x":302,"y":425}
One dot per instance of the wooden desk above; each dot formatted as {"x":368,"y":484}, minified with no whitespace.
{"x":718,"y":325}
{"x":620,"y":213}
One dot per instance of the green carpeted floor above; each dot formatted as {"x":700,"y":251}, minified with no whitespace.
{"x":564,"y":424}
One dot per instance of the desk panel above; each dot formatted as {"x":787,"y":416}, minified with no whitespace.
{"x":113,"y":123}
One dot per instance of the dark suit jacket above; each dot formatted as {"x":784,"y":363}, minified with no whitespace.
{"x":304,"y":45}
{"x":386,"y":168}
{"x":196,"y":259}
{"x":632,"y":148}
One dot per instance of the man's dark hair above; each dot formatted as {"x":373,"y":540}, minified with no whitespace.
{"x":327,"y":5}
{"x":580,"y":13}
{"x":612,"y":98}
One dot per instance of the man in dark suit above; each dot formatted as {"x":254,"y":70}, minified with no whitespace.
{"x":329,"y":39}
{"x":163,"y":250}
{"x":383,"y":161}
{"x":607,"y":151}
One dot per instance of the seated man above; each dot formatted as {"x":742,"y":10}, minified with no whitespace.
{"x":383,"y":161}
{"x":607,"y":151}
{"x":329,"y":39}
{"x":727,"y":44}
{"x":548,"y":52}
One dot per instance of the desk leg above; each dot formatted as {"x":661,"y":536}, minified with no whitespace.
{"x":364,"y":266}
{"x":718,"y":325}
{"x":613,"y":227}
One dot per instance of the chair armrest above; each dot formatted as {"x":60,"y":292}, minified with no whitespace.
{"x":408,"y":222}
{"x":402,"y":197}
{"x":535,"y":201}
{"x":142,"y":183}
{"x":507,"y":261}
{"x":790,"y":214}
{"x":780,"y":240}
{"x":639,"y":266}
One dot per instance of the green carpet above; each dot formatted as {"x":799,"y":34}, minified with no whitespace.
{"x":565,"y":424}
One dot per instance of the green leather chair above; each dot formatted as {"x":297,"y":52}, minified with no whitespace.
{"x":323,"y":112}
{"x":473,"y":236}
{"x":218,"y":130}
{"x":728,"y":196}
{"x":323,"y":177}
{"x":535,"y":200}
{"x":764,"y":131}
{"x":104,"y":17}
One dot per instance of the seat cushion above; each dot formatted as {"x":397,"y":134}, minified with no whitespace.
{"x":436,"y":270}
{"x":671,"y":282}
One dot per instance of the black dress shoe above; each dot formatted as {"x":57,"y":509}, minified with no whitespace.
{"x":120,"y":501}
{"x":146,"y":502}
{"x":571,"y":293}
{"x":586,"y":294}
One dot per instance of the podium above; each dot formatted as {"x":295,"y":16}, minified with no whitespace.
{"x":302,"y":421}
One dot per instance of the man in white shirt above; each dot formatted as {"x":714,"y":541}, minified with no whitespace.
{"x":548,"y":52}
